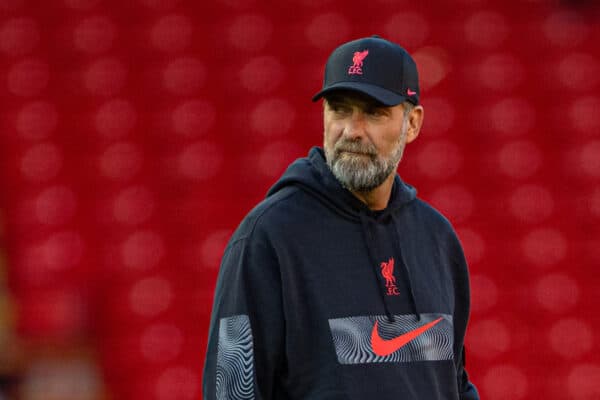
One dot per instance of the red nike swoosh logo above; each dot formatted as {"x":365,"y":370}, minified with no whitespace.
{"x":383,"y":347}
{"x":410,"y":92}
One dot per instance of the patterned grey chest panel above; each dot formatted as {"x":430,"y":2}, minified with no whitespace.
{"x":359,"y":340}
{"x":235,"y":372}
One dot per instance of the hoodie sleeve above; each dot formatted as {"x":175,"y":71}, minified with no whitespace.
{"x":246,"y":332}
{"x":466,"y":389}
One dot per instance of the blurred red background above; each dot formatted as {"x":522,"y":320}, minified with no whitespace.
{"x":135,"y":135}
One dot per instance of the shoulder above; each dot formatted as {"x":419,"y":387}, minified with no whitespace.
{"x":266,"y":215}
{"x":253,"y":245}
{"x":425,"y":223}
{"x":430,"y":216}
{"x":445,"y":234}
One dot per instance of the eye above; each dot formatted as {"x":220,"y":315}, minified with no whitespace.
{"x":377,"y":112}
{"x":340,"y":108}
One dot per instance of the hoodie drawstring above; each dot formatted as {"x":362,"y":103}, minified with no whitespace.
{"x":406,"y":269}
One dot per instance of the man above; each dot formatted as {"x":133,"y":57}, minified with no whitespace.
{"x":342,"y":284}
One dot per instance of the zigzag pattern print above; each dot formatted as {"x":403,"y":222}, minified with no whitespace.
{"x":235,"y":372}
{"x":352,"y":338}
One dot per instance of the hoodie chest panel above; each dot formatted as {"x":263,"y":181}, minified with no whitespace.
{"x":387,"y":262}
{"x":329,"y":272}
{"x":431,"y":273}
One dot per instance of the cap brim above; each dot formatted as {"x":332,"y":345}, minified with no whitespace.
{"x":384,"y":96}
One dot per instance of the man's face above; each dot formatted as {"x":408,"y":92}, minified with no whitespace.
{"x":363,"y":139}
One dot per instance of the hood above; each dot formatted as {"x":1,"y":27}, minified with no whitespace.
{"x":312,"y":175}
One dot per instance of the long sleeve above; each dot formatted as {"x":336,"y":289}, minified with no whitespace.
{"x":246,"y":335}
{"x":466,"y":390}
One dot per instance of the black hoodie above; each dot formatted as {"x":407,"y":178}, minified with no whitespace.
{"x":318,"y":297}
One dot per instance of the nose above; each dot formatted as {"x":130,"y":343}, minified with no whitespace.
{"x":355,"y":125}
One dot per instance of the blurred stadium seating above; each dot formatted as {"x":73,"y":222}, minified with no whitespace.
{"x":134,"y":136}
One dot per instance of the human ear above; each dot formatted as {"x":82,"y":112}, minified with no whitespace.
{"x":415,"y":121}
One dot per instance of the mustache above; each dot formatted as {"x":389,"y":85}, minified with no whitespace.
{"x":355,"y":147}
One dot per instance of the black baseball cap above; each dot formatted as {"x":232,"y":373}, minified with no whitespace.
{"x":374,"y":66}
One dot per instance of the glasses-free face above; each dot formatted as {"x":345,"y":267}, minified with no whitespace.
{"x":363,"y":139}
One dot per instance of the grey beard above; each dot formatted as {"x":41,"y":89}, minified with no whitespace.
{"x":360,"y":173}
